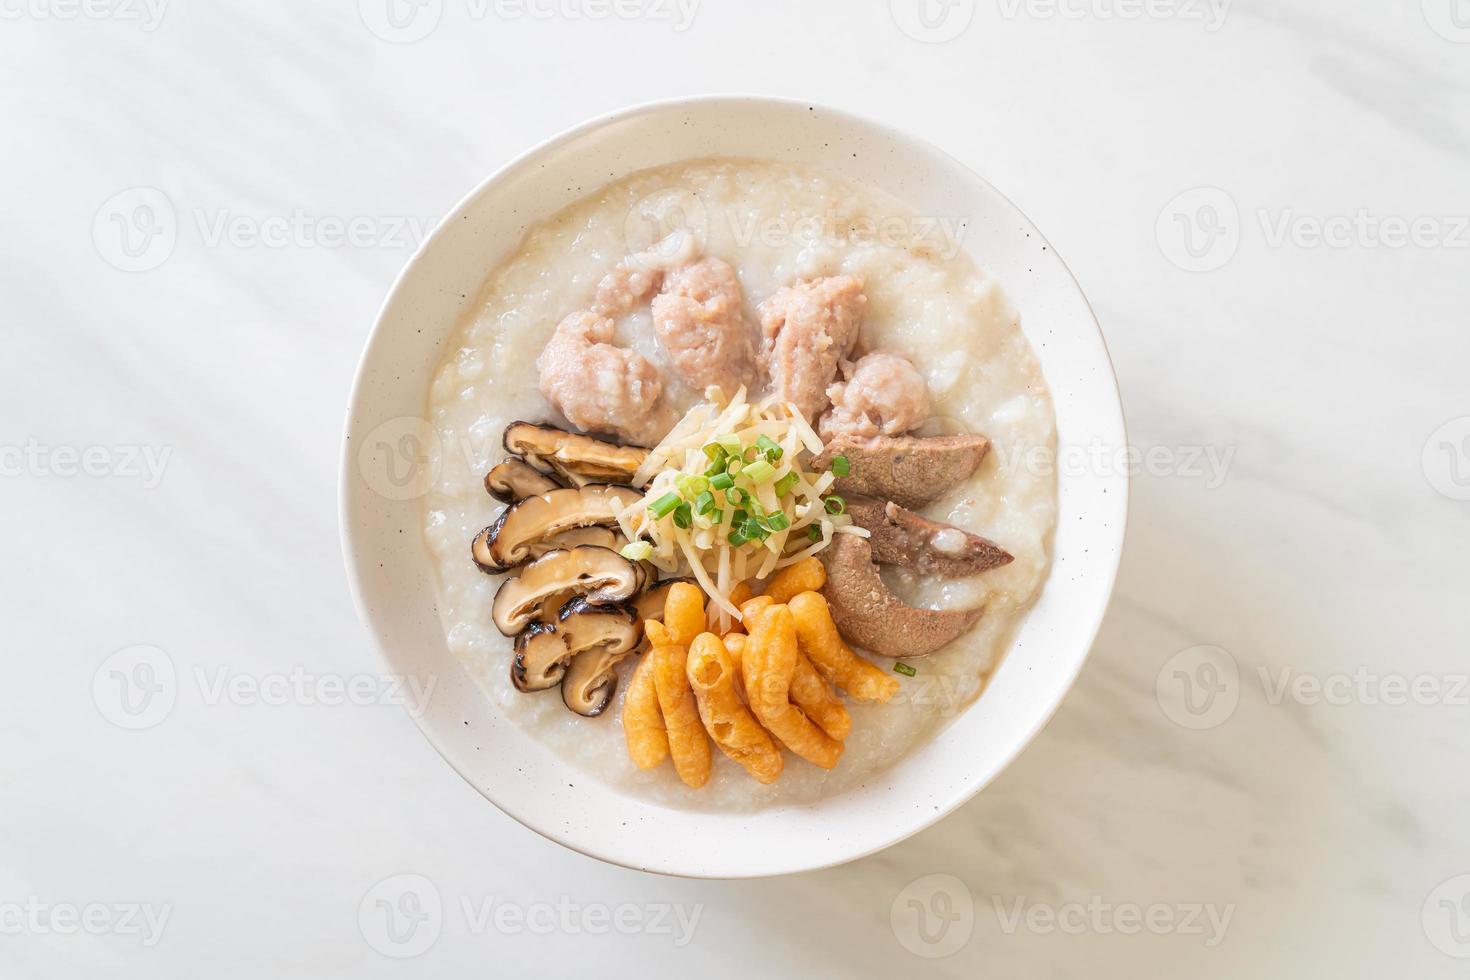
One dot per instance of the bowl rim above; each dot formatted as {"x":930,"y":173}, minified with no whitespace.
{"x":346,"y":470}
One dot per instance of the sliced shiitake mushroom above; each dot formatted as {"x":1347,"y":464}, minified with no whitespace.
{"x":591,"y":680}
{"x":514,"y":479}
{"x":602,"y":537}
{"x":511,"y":539}
{"x":578,"y":458}
{"x":600,"y":574}
{"x":583,"y":629}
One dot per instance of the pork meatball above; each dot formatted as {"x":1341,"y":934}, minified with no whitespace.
{"x":625,"y":289}
{"x":806,"y":330}
{"x":700,"y":323}
{"x":882,"y":395}
{"x":599,"y":387}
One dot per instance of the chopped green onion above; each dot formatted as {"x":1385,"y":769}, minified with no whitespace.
{"x":784,"y":485}
{"x":904,"y":669}
{"x":759,"y":471}
{"x":721,"y":481}
{"x":729,"y":442}
{"x":835,"y":505}
{"x":734,"y":465}
{"x":717,"y":515}
{"x":683,"y":517}
{"x":692,"y":486}
{"x":637,"y":551}
{"x":778,"y":521}
{"x":739,"y":518}
{"x":716,"y":453}
{"x":770,"y":447}
{"x":841,"y":466}
{"x":737,"y":496}
{"x":664,"y":506}
{"x":754,"y":531}
{"x":704,"y":503}
{"x":814,"y":532}
{"x":715,"y":470}
{"x":751,"y":454}
{"x":737,"y":536}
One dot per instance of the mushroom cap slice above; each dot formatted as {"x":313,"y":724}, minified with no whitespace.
{"x":590,"y":682}
{"x":901,"y":537}
{"x":509,"y":541}
{"x":600,"y":574}
{"x":870,"y":616}
{"x":602,"y":537}
{"x":908,"y":470}
{"x":543,"y":650}
{"x":514,"y":479}
{"x":578,"y":458}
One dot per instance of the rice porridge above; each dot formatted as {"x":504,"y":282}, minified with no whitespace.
{"x":930,"y":332}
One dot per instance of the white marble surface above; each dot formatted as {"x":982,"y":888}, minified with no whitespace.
{"x":1329,"y":832}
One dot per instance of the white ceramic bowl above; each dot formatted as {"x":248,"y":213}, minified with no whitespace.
{"x":389,"y":566}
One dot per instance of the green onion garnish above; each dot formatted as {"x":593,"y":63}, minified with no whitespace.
{"x":739,"y":518}
{"x":716,"y":453}
{"x":835,"y":505}
{"x":754,"y":532}
{"x":721,"y":481}
{"x":692,"y":486}
{"x":778,"y":521}
{"x":637,"y":551}
{"x":904,"y":669}
{"x":683,"y":517}
{"x":729,"y":442}
{"x":841,"y":466}
{"x":737,"y":496}
{"x":784,"y":485}
{"x":716,"y":516}
{"x":770,"y":447}
{"x":664,"y":506}
{"x":814,"y":532}
{"x":759,"y":471}
{"x":737,"y":536}
{"x":704,"y":503}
